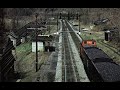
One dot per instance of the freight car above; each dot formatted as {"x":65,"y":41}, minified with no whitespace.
{"x":98,"y":65}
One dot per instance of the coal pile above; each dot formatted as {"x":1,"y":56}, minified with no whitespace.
{"x":97,"y":54}
{"x":110,"y":72}
{"x":102,"y":60}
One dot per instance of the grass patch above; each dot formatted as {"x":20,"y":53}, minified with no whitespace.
{"x":24,"y":47}
{"x":29,"y":68}
{"x":23,"y":50}
{"x":26,"y":62}
{"x":53,"y":29}
{"x":86,"y":36}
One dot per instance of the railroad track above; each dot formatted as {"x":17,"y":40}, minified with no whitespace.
{"x":69,"y":69}
{"x":74,"y":37}
{"x":108,"y":46}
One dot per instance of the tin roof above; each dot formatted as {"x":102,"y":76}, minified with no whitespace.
{"x":23,"y":31}
{"x":43,"y":38}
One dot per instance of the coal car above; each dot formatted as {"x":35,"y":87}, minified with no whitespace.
{"x":98,"y":65}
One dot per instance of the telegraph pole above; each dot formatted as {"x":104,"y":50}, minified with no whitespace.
{"x":49,"y":25}
{"x":57,"y":22}
{"x":79,"y":23}
{"x":36,"y":35}
{"x":36,"y":39}
{"x":2,"y":22}
{"x":68,"y":16}
{"x":60,"y":16}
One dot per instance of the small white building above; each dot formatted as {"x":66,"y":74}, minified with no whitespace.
{"x":17,"y":37}
{"x":40,"y":46}
{"x":16,"y":41}
{"x":23,"y":40}
{"x":44,"y":41}
{"x":13,"y":40}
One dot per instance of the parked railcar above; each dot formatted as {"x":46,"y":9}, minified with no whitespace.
{"x":98,"y":65}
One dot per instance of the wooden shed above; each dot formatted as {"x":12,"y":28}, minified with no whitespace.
{"x":111,"y":34}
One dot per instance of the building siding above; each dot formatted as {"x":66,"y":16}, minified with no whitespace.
{"x":40,"y":46}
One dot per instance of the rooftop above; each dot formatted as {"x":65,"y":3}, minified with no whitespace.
{"x":43,"y":38}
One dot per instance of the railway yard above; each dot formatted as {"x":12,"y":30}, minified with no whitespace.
{"x":65,"y":63}
{"x":59,"y":50}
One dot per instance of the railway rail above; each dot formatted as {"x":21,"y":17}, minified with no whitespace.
{"x":69,"y":69}
{"x":74,"y":37}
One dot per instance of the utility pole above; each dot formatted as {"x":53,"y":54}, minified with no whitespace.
{"x":68,"y":16}
{"x":36,"y":35}
{"x":77,"y":16}
{"x":52,"y":11}
{"x":2,"y":22}
{"x":60,"y":16}
{"x":49,"y":25}
{"x":36,"y":39}
{"x":1,"y":37}
{"x":57,"y":22}
{"x":79,"y":23}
